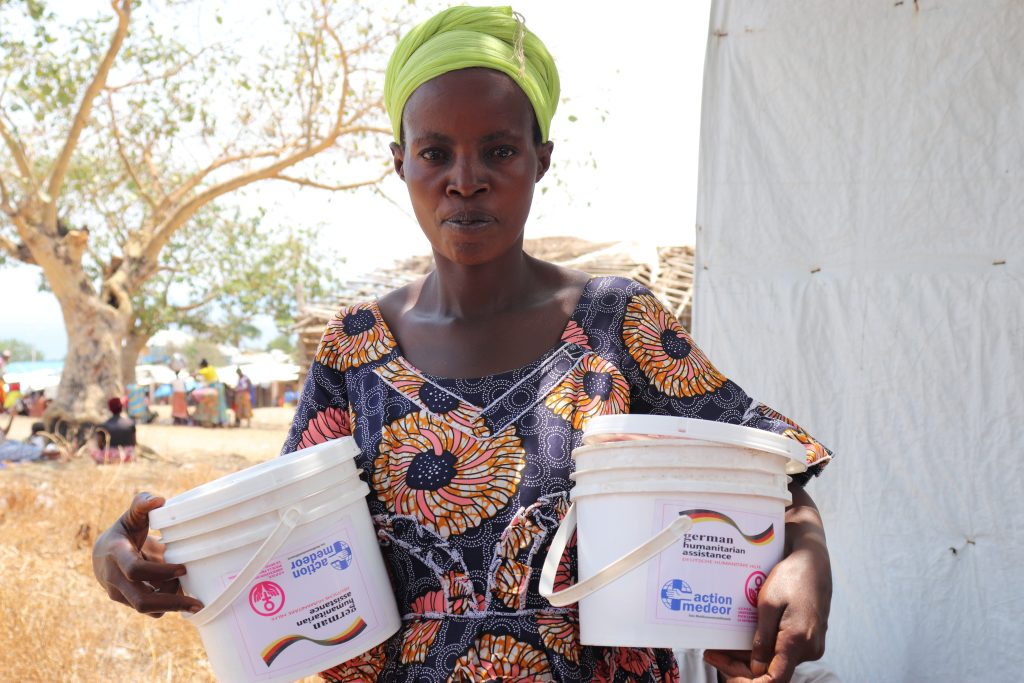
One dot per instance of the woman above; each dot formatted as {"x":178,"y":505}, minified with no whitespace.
{"x":243,"y":399}
{"x":211,"y":406}
{"x":179,"y":400}
{"x":468,"y":390}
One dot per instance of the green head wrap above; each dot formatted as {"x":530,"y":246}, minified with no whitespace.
{"x":464,"y":37}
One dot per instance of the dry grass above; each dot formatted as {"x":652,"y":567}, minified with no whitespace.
{"x":56,"y":624}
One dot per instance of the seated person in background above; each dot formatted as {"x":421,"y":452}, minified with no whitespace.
{"x":38,"y":404}
{"x":38,"y":439}
{"x":115,"y":438}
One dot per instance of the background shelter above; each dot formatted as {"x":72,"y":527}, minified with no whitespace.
{"x":668,"y":271}
{"x":860,"y":267}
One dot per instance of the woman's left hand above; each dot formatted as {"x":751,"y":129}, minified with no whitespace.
{"x":792,"y":607}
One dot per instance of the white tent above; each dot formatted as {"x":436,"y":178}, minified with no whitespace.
{"x":860,"y":267}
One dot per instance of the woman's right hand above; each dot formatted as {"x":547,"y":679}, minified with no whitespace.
{"x":128,"y":563}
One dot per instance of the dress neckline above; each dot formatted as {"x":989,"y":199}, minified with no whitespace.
{"x":399,"y":352}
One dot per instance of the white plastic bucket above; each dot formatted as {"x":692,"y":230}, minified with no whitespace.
{"x":285,"y":558}
{"x":673,"y":556}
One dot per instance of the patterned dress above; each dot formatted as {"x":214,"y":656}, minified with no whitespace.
{"x":470,"y":478}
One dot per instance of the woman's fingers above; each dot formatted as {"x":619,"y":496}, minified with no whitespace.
{"x":780,"y":670}
{"x":769,"y":615}
{"x":733,"y":664}
{"x":150,"y":600}
{"x":153,"y":549}
{"x":137,"y":568}
{"x":135,"y":520}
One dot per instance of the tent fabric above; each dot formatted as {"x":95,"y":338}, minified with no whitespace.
{"x":860,"y":267}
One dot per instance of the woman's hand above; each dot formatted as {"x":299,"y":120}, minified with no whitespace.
{"x":792,"y":607}
{"x":128,"y":563}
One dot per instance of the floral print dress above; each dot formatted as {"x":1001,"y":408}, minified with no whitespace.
{"x":470,"y":478}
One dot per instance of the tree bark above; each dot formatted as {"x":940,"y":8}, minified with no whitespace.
{"x":92,"y":367}
{"x":133,"y":345}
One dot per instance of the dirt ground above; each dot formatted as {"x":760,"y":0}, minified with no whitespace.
{"x":56,"y":623}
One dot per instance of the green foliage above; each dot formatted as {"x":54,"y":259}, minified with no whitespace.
{"x":21,"y":350}
{"x":284,"y":342}
{"x":224,"y":269}
{"x":197,"y":350}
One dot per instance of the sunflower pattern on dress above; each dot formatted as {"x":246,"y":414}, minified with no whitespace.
{"x":560,"y":632}
{"x":422,"y":631}
{"x":574,"y":334}
{"x":470,"y":480}
{"x":502,"y":658}
{"x":404,"y":378}
{"x":594,"y":387}
{"x":356,"y":336}
{"x":329,"y":424}
{"x":665,"y":351}
{"x":449,"y":481}
{"x":816,"y":453}
{"x":362,"y":669}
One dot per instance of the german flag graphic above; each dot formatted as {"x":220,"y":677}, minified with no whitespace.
{"x":763,"y":538}
{"x":271,"y":652}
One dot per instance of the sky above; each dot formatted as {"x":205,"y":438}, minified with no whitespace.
{"x":627,"y":163}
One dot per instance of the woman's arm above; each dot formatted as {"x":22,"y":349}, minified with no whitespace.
{"x":792,"y":607}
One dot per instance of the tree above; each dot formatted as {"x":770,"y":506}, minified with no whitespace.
{"x":116,"y":135}
{"x":220,"y":272}
{"x":20,"y":350}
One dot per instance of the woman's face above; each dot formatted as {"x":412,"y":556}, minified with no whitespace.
{"x":470,"y":162}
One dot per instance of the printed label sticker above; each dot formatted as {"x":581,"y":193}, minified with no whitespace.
{"x":310,"y":596}
{"x":711,"y":577}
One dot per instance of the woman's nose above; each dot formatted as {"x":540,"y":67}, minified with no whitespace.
{"x":468,"y":178}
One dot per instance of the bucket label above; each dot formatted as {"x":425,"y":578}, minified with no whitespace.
{"x":309,"y":597}
{"x":711,"y":577}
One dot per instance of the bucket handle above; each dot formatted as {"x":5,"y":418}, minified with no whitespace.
{"x":620,"y":567}
{"x":291,"y":518}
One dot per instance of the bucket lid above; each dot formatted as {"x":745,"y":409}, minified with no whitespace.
{"x":611,"y":428}
{"x":253,"y":482}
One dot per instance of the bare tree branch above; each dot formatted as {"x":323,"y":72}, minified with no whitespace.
{"x":193,"y":181}
{"x":154,"y":174}
{"x":18,"y":152}
{"x":128,"y":167}
{"x":346,"y":71}
{"x":333,"y":188}
{"x":151,"y":250}
{"x":9,"y":247}
{"x":60,"y":167}
{"x":5,"y":198}
{"x":198,"y":304}
{"x":173,"y":71}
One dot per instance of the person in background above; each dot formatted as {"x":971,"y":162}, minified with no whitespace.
{"x":137,"y":402}
{"x":243,"y":399}
{"x":36,"y":438}
{"x":115,"y":438}
{"x":179,"y":400}
{"x":13,"y":402}
{"x":209,"y":375}
{"x":48,"y":449}
{"x":37,"y":404}
{"x":5,"y":356}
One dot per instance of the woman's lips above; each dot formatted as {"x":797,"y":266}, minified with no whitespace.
{"x":468,"y":220}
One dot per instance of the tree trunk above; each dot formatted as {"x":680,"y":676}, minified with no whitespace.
{"x":92,"y":367}
{"x":133,"y":345}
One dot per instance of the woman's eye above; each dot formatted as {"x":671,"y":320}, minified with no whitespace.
{"x":504,"y":152}
{"x":431,"y":155}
